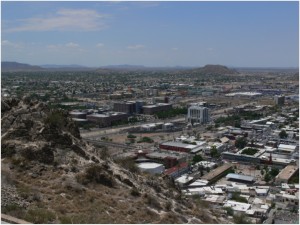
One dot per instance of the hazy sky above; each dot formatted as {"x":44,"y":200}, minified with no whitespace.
{"x":151,"y":33}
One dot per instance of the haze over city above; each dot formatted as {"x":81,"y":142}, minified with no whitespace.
{"x":239,"y":34}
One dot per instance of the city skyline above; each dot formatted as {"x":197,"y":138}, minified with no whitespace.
{"x":240,"y":34}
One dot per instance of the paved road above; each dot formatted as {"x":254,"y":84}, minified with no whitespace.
{"x":105,"y":143}
{"x":106,"y":131}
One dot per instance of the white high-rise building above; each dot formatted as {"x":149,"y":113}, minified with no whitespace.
{"x":198,"y":114}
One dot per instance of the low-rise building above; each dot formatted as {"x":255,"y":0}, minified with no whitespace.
{"x":288,"y":199}
{"x":238,"y":207}
{"x":178,"y":170}
{"x":285,"y":175}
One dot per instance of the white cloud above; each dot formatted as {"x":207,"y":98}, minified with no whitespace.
{"x":10,"y":44}
{"x":175,"y":49}
{"x":135,"y":47}
{"x":99,"y":45}
{"x":64,"y":19}
{"x":72,"y":45}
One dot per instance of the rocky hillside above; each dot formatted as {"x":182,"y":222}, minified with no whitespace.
{"x":49,"y":175}
{"x":214,"y":70}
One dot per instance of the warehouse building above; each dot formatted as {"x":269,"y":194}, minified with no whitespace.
{"x":240,"y":178}
{"x":104,"y":120}
{"x":151,"y":167}
{"x":217,"y":173}
{"x":180,"y":147}
{"x":78,"y":114}
{"x":178,"y":170}
{"x":159,"y":107}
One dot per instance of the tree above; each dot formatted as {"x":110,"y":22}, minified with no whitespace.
{"x":197,"y":158}
{"x":267,"y":177}
{"x":283,"y":134}
{"x":240,"y":143}
{"x":214,"y":152}
{"x":274,"y":172}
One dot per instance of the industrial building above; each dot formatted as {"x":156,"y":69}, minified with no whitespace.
{"x":216,"y":173}
{"x":152,"y":168}
{"x":104,"y":120}
{"x":177,"y":170}
{"x":244,"y":94}
{"x":78,"y":114}
{"x":198,"y":114}
{"x":240,"y":178}
{"x":169,"y":159}
{"x":180,"y":147}
{"x":151,"y":109}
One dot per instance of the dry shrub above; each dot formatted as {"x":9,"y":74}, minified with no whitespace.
{"x":153,"y":202}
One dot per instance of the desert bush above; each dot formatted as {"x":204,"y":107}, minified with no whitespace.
{"x":95,"y":174}
{"x":135,"y":192}
{"x":153,"y":202}
{"x":128,"y":164}
{"x":168,"y":206}
{"x":55,"y":119}
{"x":240,"y":219}
{"x":39,"y":215}
{"x":7,"y":152}
{"x":65,"y":220}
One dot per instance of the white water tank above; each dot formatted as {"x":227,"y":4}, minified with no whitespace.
{"x":151,"y":167}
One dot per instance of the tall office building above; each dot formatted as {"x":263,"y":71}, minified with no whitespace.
{"x":198,"y":114}
{"x":126,"y":107}
{"x":279,"y":99}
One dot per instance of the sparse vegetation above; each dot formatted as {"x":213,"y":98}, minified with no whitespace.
{"x":135,"y":192}
{"x":240,"y":219}
{"x":131,"y":136}
{"x":128,"y":164}
{"x":95,"y":174}
{"x":229,"y":211}
{"x":145,"y":139}
{"x":240,"y":143}
{"x":55,"y":119}
{"x":40,"y":215}
{"x":238,"y":198}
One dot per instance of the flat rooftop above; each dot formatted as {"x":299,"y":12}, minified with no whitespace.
{"x":240,"y":177}
{"x":156,"y":105}
{"x":179,"y":144}
{"x":216,"y":172}
{"x":166,"y":154}
{"x":287,"y":172}
{"x":287,"y":147}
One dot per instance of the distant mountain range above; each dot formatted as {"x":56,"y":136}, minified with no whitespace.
{"x":207,"y":69}
{"x":15,"y":66}
{"x":51,"y":66}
